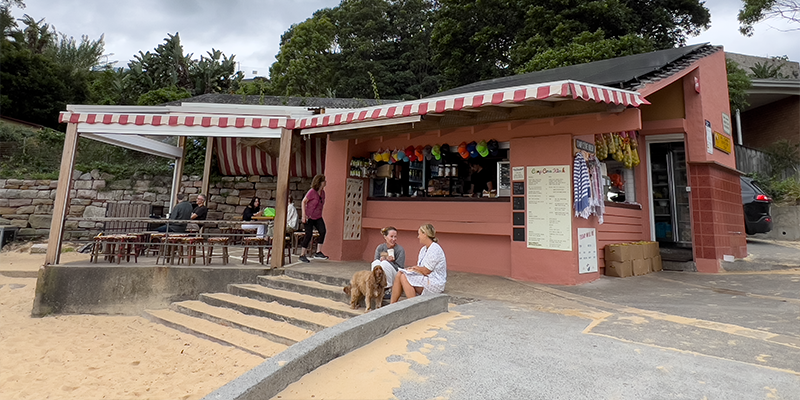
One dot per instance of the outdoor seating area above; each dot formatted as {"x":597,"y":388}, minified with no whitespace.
{"x":204,"y":247}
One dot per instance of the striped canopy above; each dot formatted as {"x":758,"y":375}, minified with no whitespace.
{"x":235,"y":159}
{"x":551,"y":91}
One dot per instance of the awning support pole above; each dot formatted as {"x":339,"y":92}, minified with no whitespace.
{"x":207,"y":166}
{"x":61,"y":203}
{"x":177,"y":173}
{"x":281,"y":199}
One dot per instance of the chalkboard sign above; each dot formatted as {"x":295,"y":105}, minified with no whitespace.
{"x":519,"y":203}
{"x":519,"y":219}
{"x":519,"y":188}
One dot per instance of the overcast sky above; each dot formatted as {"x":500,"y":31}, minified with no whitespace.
{"x":251,"y":29}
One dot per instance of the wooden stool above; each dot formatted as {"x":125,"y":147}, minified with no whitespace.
{"x":258,"y":242}
{"x":188,"y":250}
{"x":170,"y":247}
{"x":219,"y":241}
{"x":157,"y":239}
{"x":103,"y":246}
{"x":126,"y":247}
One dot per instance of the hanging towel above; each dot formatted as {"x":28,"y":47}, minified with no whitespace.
{"x":580,"y":176}
{"x":598,"y":201}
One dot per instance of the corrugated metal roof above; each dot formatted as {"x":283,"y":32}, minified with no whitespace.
{"x":629,"y":72}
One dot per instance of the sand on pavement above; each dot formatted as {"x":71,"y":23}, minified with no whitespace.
{"x":100,"y":357}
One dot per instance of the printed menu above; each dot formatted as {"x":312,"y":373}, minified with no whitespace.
{"x":549,"y":207}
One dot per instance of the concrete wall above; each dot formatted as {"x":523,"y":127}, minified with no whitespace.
{"x":785,"y":223}
{"x":28,"y":204}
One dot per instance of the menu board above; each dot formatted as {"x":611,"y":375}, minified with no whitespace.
{"x":587,"y":250}
{"x":549,"y":205}
{"x":352,"y":209}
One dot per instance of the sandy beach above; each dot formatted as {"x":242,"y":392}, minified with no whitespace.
{"x":100,"y":357}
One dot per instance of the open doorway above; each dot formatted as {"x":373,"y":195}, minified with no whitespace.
{"x":670,"y":200}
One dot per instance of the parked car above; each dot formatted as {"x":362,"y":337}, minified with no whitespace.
{"x":756,"y":207}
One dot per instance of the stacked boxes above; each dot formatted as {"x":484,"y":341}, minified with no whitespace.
{"x":632,"y":259}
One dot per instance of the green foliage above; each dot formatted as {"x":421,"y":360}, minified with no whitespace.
{"x":783,"y":183}
{"x":36,"y":152}
{"x":738,"y":83}
{"x":783,"y":155}
{"x":588,"y":47}
{"x":768,"y":71}
{"x":754,"y":11}
{"x":336,"y":50}
{"x":484,"y":39}
{"x":163,"y":95}
{"x":34,"y":88}
{"x":304,"y":66}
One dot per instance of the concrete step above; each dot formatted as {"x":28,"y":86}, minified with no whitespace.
{"x":293,"y":299}
{"x":276,"y":331}
{"x":310,"y":276}
{"x":301,"y":286}
{"x":300,"y":317}
{"x":209,"y":330}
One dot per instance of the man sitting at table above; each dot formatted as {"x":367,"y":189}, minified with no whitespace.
{"x":198,"y":214}
{"x":181,"y":212}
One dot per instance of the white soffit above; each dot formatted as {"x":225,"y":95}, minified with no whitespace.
{"x":138,"y":143}
{"x":181,"y":130}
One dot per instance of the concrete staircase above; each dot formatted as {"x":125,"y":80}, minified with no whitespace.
{"x":264,"y":318}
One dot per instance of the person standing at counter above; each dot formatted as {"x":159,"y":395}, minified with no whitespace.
{"x":479,"y":180}
{"x":429,"y":275}
{"x":313,"y":202}
{"x":394,"y":260}
{"x":248,"y":213}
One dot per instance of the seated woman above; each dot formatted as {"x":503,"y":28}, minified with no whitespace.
{"x":391,"y":261}
{"x":251,"y":210}
{"x":430,"y":273}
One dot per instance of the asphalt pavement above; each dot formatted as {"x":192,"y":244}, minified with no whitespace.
{"x":666,"y":335}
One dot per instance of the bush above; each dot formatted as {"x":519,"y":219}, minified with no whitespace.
{"x":782,"y":191}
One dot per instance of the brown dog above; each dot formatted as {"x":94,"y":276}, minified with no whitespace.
{"x":368,"y":284}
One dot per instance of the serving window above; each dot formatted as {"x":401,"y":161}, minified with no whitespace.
{"x":440,"y":171}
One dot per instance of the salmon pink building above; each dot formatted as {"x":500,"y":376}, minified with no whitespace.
{"x":382,"y":169}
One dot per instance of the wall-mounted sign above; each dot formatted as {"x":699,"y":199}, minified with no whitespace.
{"x":587,"y":250}
{"x":585,"y":146}
{"x":722,"y":142}
{"x":709,"y":138}
{"x":518,"y":173}
{"x":726,"y":124}
{"x":352,"y":210}
{"x":549,"y":204}
{"x":519,"y":188}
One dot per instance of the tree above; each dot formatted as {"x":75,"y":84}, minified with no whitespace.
{"x":358,"y":48}
{"x":168,"y":67}
{"x":304,"y":66}
{"x":738,"y":83}
{"x":484,"y":39}
{"x":754,"y":11}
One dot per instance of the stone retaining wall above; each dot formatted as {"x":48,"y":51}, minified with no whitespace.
{"x":28,"y":204}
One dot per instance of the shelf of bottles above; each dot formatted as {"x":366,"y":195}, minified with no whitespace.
{"x":362,"y":168}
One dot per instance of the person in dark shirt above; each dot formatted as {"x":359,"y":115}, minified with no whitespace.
{"x":201,"y":211}
{"x":480,"y":180}
{"x":181,"y":212}
{"x":251,"y":210}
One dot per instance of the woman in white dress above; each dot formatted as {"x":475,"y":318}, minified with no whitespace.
{"x":429,"y":275}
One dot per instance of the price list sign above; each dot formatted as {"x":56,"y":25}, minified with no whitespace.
{"x":549,"y":205}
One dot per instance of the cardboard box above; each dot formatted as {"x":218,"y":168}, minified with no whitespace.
{"x":641,"y":267}
{"x":626,"y":252}
{"x":621,"y":269}
{"x":655,"y":264}
{"x":651,"y":250}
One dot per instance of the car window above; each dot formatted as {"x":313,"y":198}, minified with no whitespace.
{"x":757,"y":187}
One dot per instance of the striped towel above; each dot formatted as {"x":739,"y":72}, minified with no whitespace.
{"x":580,"y":176}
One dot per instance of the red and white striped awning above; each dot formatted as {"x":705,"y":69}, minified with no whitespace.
{"x":551,"y":91}
{"x":167,"y":120}
{"x":234,"y":159}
